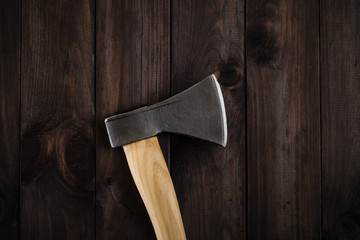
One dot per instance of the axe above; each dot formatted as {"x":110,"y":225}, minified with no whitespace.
{"x":197,"y":112}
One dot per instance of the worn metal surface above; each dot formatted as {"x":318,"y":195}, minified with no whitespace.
{"x":198,"y":112}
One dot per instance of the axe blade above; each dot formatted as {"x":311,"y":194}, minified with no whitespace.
{"x":198,"y":112}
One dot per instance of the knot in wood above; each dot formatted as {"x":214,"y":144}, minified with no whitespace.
{"x":229,"y":75}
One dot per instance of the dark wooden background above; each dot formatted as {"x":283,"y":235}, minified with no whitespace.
{"x":291,"y":80}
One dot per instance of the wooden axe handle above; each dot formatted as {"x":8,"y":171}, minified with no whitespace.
{"x":152,"y":178}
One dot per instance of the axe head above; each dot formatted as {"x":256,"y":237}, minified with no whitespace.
{"x":198,"y":112}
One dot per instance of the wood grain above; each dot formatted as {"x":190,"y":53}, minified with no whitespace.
{"x":210,"y":180}
{"x":340,"y":95}
{"x":57,"y":120}
{"x":132,"y":70}
{"x":10,"y":16}
{"x":278,"y":110}
{"x":283,"y":116}
{"x":152,"y":178}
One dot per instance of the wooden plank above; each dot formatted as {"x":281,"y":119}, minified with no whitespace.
{"x":340,"y":95}
{"x":57,"y":120}
{"x":9,"y":118}
{"x":210,"y":180}
{"x":283,"y":113}
{"x":132,"y":69}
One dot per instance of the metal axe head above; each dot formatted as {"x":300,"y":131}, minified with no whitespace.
{"x":198,"y":111}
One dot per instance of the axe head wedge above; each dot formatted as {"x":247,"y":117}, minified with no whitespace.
{"x":198,"y":112}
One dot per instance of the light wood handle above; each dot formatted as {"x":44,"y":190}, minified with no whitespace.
{"x":152,"y":178}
